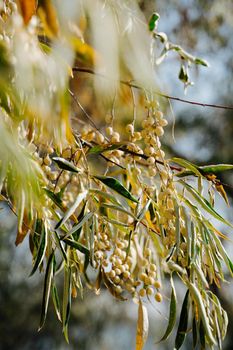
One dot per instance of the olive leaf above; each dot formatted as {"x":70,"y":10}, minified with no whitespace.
{"x":172,"y":314}
{"x":66,"y":165}
{"x":115,"y":185}
{"x":183,"y":323}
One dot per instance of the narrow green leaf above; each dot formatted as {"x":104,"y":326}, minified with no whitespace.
{"x":77,"y":246}
{"x":66,"y":301}
{"x":183,"y":323}
{"x":208,"y":169}
{"x":55,"y":198}
{"x":144,"y":210}
{"x":153,"y":21}
{"x":183,"y":75}
{"x":187,"y":165}
{"x":223,"y":253}
{"x":60,"y":246}
{"x":194,"y":332}
{"x":56,"y":301}
{"x":42,"y":247}
{"x":92,"y":229}
{"x":177,"y":225}
{"x":66,"y":165}
{"x":199,"y":300}
{"x":98,"y":149}
{"x":215,"y":169}
{"x":230,"y":264}
{"x":172,"y":314}
{"x":115,"y":185}
{"x":202,"y":335}
{"x":200,"y":275}
{"x":72,"y":209}
{"x":47,"y":287}
{"x":75,"y":228}
{"x":118,"y":208}
{"x":77,"y":233}
{"x":105,"y":195}
{"x":201,"y":62}
{"x":82,"y":249}
{"x":204,"y":203}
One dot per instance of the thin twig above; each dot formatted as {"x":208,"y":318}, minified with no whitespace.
{"x":83,"y":110}
{"x":133,"y":85}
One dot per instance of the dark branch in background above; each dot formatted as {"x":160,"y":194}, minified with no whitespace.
{"x":133,"y":85}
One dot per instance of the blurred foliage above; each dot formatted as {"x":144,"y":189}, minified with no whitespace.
{"x":132,"y":218}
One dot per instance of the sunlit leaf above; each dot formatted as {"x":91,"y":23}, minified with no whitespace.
{"x":115,"y":185}
{"x":77,"y":246}
{"x":56,"y":301}
{"x":98,"y":149}
{"x":144,"y":210}
{"x":48,"y":16}
{"x":81,"y":196}
{"x":105,"y":195}
{"x":205,"y":320}
{"x":207,"y":169}
{"x":65,"y":165}
{"x":204,"y":203}
{"x":142,"y":326}
{"x":187,"y":165}
{"x":47,"y":287}
{"x":75,"y":228}
{"x":201,"y":62}
{"x":172,"y":314}
{"x":118,"y":208}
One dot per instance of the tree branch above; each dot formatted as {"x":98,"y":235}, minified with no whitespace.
{"x":133,"y":85}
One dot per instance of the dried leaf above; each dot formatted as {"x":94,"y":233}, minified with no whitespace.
{"x":142,"y":326}
{"x":220,"y":189}
{"x":48,"y":16}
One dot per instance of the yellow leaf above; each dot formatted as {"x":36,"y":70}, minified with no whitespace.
{"x":85,"y":52}
{"x":142,"y":326}
{"x":48,"y":17}
{"x":222,"y":192}
{"x":28,"y":9}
